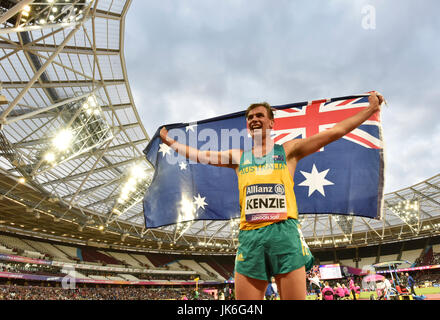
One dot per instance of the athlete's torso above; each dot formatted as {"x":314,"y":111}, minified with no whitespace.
{"x":266,"y":189}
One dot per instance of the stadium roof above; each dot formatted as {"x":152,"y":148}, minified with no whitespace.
{"x":71,"y":137}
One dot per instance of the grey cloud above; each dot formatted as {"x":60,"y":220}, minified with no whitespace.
{"x":189,"y":60}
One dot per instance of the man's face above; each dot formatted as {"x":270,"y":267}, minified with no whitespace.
{"x":258,"y":122}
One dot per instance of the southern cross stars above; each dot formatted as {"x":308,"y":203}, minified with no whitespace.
{"x":191,"y":127}
{"x":316,"y":181}
{"x":164,"y":149}
{"x":200,"y":202}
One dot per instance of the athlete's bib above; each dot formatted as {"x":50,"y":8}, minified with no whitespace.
{"x":265,"y":202}
{"x":266,"y":189}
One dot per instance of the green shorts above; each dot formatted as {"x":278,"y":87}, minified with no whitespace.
{"x":274,"y":249}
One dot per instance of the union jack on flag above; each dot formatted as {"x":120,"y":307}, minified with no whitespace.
{"x":344,"y":178}
{"x":316,"y":116}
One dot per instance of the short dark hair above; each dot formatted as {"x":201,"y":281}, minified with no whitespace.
{"x":261,"y":104}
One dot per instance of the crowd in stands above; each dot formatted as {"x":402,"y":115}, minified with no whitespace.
{"x":30,"y":269}
{"x":57,"y":272}
{"x":15,"y":292}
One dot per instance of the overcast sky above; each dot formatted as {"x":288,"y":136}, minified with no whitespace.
{"x":189,"y":60}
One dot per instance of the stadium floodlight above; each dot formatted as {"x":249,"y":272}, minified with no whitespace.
{"x":136,"y":182}
{"x":63,"y":139}
{"x":79,"y":128}
{"x":37,"y":15}
{"x":345,"y":223}
{"x":408,"y":211}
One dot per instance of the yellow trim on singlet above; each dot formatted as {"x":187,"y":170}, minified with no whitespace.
{"x":271,"y":169}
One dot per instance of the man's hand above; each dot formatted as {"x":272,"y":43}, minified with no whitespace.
{"x":163,"y":134}
{"x":375,"y":99}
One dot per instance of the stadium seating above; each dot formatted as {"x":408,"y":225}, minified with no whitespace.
{"x":70,"y":252}
{"x":116,"y":278}
{"x":193,"y":265}
{"x":142,"y":259}
{"x":207,"y":267}
{"x":223,"y":270}
{"x":95,"y":277}
{"x":176,"y":265}
{"x":128,"y":277}
{"x":15,"y":243}
{"x":224,"y":265}
{"x":92,"y":255}
{"x":436,"y":248}
{"x":367,"y":261}
{"x":391,"y":257}
{"x":5,"y":250}
{"x":48,"y":249}
{"x":160,"y":260}
{"x":411,"y":255}
{"x":349,"y":263}
{"x":124,"y":257}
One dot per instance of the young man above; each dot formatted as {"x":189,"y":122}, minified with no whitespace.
{"x":270,"y":242}
{"x":411,"y":283}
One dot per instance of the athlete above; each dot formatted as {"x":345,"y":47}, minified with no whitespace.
{"x":270,"y":241}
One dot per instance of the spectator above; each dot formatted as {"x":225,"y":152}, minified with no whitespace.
{"x":411,"y":283}
{"x":346,"y":292}
{"x":403,"y":280}
{"x":388,"y":288}
{"x":272,"y":290}
{"x":352,"y":287}
{"x":340,"y":293}
{"x":315,"y":285}
{"x":327,"y":292}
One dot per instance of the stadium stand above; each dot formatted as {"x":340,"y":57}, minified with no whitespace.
{"x":15,"y":243}
{"x":48,"y":249}
{"x":159,"y":260}
{"x":176,"y":265}
{"x":143,"y":260}
{"x":70,"y":252}
{"x":5,"y":250}
{"x":390,"y":257}
{"x":91,"y":255}
{"x":126,"y":259}
{"x":411,"y":255}
{"x":198,"y":268}
{"x":128,"y":277}
{"x":224,"y":265}
{"x":348,"y":262}
{"x":212,"y":271}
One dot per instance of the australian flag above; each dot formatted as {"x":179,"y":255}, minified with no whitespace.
{"x":343,"y":178}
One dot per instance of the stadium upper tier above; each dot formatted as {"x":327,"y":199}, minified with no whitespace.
{"x":71,"y":141}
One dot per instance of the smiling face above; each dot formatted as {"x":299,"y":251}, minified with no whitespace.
{"x":258,"y":122}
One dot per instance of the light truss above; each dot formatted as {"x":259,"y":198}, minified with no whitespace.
{"x":81,"y":121}
{"x":35,"y":15}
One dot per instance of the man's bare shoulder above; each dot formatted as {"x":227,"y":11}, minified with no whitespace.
{"x":290,"y":146}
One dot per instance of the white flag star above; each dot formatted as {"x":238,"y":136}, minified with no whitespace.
{"x":164,"y":149}
{"x":191,"y":127}
{"x":200,"y":202}
{"x":183,"y":166}
{"x":316,"y":181}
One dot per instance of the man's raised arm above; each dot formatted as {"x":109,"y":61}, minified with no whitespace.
{"x":228,"y":158}
{"x":301,"y":148}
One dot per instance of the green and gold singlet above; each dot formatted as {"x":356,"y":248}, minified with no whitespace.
{"x":266,"y":189}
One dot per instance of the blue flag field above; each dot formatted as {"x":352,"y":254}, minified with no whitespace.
{"x":344,"y":178}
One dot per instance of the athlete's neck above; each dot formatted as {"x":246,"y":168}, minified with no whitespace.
{"x":262,"y":145}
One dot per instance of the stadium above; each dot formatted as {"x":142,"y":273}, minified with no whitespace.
{"x":71,"y":218}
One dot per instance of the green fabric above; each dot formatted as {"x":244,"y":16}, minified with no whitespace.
{"x":271,"y":250}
